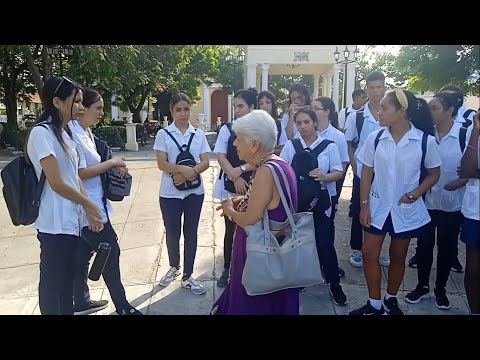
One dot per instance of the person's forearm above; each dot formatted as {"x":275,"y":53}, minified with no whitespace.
{"x":427,"y":183}
{"x":365,"y":184}
{"x":351,"y":155}
{"x":201,"y":166}
{"x":469,"y":164}
{"x":168,"y":167}
{"x":289,"y":128}
{"x":225,"y":164}
{"x":333,"y":176}
{"x":70,"y":193}
{"x":95,"y":170}
{"x":243,"y":219}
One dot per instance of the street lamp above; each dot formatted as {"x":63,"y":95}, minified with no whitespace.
{"x":60,"y":52}
{"x":346,"y":61}
{"x":235,"y":60}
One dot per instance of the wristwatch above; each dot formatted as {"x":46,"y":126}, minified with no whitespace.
{"x":411,"y":197}
{"x":243,"y":168}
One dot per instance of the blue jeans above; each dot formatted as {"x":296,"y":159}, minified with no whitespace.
{"x":57,"y":270}
{"x":326,"y":248}
{"x":172,"y":210}
{"x":111,"y":272}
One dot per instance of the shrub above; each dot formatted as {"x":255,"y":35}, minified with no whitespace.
{"x":114,"y":136}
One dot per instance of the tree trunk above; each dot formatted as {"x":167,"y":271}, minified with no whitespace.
{"x":11,"y":108}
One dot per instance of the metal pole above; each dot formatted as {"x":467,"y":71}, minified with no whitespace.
{"x":345,"y":85}
{"x":61,"y":67}
{"x":234,"y":77}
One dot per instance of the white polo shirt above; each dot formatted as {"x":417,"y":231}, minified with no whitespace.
{"x":342,"y":118}
{"x":328,"y":161}
{"x":397,"y":172}
{"x":471,"y":200}
{"x":221,"y":147}
{"x":285,"y":118}
{"x":462,"y":111}
{"x":451,"y":154}
{"x":163,"y":142}
{"x":370,"y":124}
{"x":87,"y":152}
{"x":57,"y":215}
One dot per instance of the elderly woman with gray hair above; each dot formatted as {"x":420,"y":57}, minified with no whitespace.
{"x":255,"y":143}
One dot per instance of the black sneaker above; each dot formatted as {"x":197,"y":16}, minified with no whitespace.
{"x":90,"y":307}
{"x":368,"y":309}
{"x":456,"y":266}
{"x":413,"y":262}
{"x":223,"y":280}
{"x":339,"y":297}
{"x":419,"y":293}
{"x":391,"y":306}
{"x":441,"y":299}
{"x":341,"y":272}
{"x":129,"y":311}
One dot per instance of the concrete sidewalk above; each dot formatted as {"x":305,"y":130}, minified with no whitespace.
{"x":144,"y":258}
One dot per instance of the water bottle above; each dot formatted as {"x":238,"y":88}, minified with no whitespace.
{"x":101,"y":258}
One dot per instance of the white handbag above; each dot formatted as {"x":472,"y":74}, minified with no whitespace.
{"x":293,"y":263}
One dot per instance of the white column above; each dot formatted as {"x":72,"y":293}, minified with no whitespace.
{"x":206,"y":106}
{"x":350,"y":82}
{"x":316,"y":79}
{"x":258,"y":83}
{"x":336,"y":84}
{"x":265,"y":76}
{"x":251,"y":75}
{"x":114,"y":110}
{"x":230,"y":108}
{"x":329,"y":84}
{"x":131,"y":143}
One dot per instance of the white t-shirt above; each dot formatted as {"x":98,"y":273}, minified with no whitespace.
{"x":471,"y":200}
{"x":437,"y":198}
{"x":328,"y":161}
{"x":285,"y":118}
{"x":370,"y":124}
{"x":57,"y":215}
{"x":397,"y":172}
{"x":87,"y":152}
{"x":163,"y":142}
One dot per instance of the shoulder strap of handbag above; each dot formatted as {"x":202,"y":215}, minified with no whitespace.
{"x":287,"y":206}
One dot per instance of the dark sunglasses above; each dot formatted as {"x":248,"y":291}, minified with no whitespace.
{"x":64,"y":78}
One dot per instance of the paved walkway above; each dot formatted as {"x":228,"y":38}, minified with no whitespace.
{"x":144,"y":259}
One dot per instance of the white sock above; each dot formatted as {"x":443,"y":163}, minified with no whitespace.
{"x":388,"y":296}
{"x":376,"y":304}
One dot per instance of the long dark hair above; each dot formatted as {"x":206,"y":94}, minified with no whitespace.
{"x":328,"y":103}
{"x":302,"y":90}
{"x":267,"y":94}
{"x":417,"y":111}
{"x":248,"y":95}
{"x":63,"y":88}
{"x":90,"y":97}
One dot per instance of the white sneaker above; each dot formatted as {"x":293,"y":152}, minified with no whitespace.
{"x":384,"y":260}
{"x":194,"y":286}
{"x":171,"y":274}
{"x":356,"y":259}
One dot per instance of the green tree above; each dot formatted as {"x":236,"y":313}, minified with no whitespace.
{"x":429,"y":67}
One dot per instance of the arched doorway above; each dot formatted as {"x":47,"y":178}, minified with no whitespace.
{"x":219,"y":107}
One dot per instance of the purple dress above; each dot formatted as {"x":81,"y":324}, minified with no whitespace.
{"x":234,"y":299}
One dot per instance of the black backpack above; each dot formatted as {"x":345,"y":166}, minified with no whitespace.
{"x":467,"y":122}
{"x":279,"y":130}
{"x":359,"y":120}
{"x":22,"y":190}
{"x":312,"y":195}
{"x":232,"y":157}
{"x":186,"y":158}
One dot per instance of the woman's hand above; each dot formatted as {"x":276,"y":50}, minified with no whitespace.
{"x":178,"y":179}
{"x":317,"y":175}
{"x":405,"y":199}
{"x":240,"y":186}
{"x":227,"y":207}
{"x":122,"y":170}
{"x":365,"y":216}
{"x":188,"y":172}
{"x":118,"y":161}
{"x":95,"y":222}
